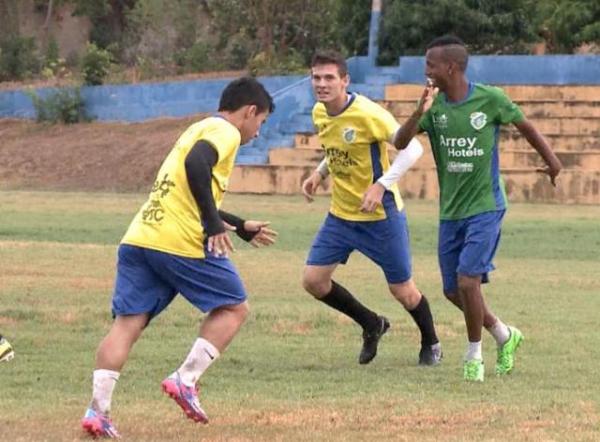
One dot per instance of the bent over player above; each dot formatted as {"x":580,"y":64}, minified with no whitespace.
{"x":177,"y":243}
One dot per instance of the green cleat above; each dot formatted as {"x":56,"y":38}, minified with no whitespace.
{"x":473,"y":370}
{"x":506,"y":353}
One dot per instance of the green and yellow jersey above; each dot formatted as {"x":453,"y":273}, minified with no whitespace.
{"x":169,"y":221}
{"x":354,"y":143}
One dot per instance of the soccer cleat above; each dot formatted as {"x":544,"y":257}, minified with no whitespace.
{"x":99,"y":425}
{"x":473,"y":370}
{"x":186,"y":397}
{"x":430,"y":355}
{"x":6,"y":351}
{"x":505,"y":361}
{"x":371,"y":340}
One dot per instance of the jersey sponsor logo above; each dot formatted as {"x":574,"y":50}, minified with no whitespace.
{"x":478,"y":120}
{"x":349,"y":135}
{"x":338,"y":157}
{"x":441,"y":122}
{"x":461,"y":146}
{"x":454,"y":167}
{"x":153,"y":211}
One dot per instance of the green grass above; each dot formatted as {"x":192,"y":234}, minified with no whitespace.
{"x":292,"y":374}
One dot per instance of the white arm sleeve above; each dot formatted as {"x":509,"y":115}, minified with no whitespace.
{"x":405,"y":159}
{"x":323,"y":169}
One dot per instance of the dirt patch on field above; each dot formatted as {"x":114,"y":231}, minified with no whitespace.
{"x":87,"y":157}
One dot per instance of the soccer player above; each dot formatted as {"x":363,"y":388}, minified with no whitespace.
{"x":462,"y":123}
{"x":6,"y":350}
{"x":367,"y":213}
{"x":177,"y":243}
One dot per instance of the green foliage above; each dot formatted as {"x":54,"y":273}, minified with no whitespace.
{"x":196,"y":58}
{"x":567,"y":24}
{"x":63,"y":105}
{"x":95,"y":65}
{"x":487,"y":27}
{"x":18,"y":58}
{"x":352,"y":21}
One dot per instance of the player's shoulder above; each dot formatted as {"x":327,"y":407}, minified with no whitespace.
{"x":494,"y":92}
{"x":365,"y":103}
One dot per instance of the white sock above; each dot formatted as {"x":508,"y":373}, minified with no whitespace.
{"x":500,"y":332}
{"x":104,"y":384}
{"x":473,"y":351}
{"x":202,"y":354}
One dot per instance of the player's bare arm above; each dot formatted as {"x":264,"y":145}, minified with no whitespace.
{"x":312,"y":183}
{"x":539,"y":143}
{"x":411,"y":127}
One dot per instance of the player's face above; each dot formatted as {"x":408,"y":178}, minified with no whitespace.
{"x":253,"y":120}
{"x":328,"y":85}
{"x":436,"y":68}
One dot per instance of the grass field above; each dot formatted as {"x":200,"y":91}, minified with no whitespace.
{"x":292,"y":373}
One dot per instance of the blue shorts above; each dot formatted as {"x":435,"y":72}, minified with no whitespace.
{"x":467,"y":247}
{"x":148,"y":280}
{"x":385,"y":242}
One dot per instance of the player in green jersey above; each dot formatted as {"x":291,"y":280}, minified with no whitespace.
{"x":462,"y":122}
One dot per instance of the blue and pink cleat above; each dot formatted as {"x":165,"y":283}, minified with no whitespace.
{"x":99,"y":425}
{"x":186,"y":397}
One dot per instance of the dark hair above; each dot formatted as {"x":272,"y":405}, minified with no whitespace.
{"x":331,"y":57}
{"x":246,"y":91}
{"x":454,"y":49}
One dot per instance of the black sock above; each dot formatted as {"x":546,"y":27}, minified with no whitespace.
{"x":422,"y":316}
{"x":342,"y":300}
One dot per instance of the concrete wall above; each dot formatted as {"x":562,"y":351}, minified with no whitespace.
{"x":139,"y":102}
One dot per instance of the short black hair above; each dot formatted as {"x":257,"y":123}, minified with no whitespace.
{"x":454,"y":49}
{"x":331,"y":57}
{"x":246,"y":91}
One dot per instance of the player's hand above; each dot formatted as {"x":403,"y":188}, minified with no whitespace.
{"x":310,"y":185}
{"x":426,"y":100}
{"x":552,"y":171}
{"x":264,"y":236}
{"x":372,"y":198}
{"x":220,"y":244}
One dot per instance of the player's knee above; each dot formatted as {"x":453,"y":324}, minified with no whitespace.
{"x":468,"y":284}
{"x":243,"y":310}
{"x":315,"y":286}
{"x":406,"y":293}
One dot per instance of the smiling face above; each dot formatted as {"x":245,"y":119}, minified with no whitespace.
{"x":437,"y":68}
{"x":329,"y":85}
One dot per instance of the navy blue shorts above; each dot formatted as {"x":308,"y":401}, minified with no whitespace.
{"x":385,"y":242}
{"x":467,"y":247}
{"x":148,"y":280}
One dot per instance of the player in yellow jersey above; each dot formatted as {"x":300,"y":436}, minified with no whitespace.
{"x":367,"y":213}
{"x":6,"y":350}
{"x":177,"y":243}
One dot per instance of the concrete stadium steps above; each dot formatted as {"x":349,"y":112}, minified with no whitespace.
{"x":574,"y":186}
{"x":412,"y":92}
{"x":571,"y":160}
{"x":532,"y":109}
{"x":297,"y":156}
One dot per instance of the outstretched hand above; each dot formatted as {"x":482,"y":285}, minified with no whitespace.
{"x":310,"y":185}
{"x":264,"y":236}
{"x":220,"y":244}
{"x":552,"y":172}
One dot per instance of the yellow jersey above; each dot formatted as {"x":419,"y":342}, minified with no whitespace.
{"x":169,"y":221}
{"x":354,"y":143}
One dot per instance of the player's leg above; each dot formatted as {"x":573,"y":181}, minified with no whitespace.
{"x":212,"y":285}
{"x":387,"y":243}
{"x":332,"y":245}
{"x":6,"y":350}
{"x":139,"y":295}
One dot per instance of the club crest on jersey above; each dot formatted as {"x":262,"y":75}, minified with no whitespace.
{"x":349,"y":134}
{"x":441,"y":122}
{"x":478,"y":120}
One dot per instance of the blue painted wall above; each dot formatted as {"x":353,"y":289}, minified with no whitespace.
{"x":141,"y":102}
{"x":516,"y":69}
